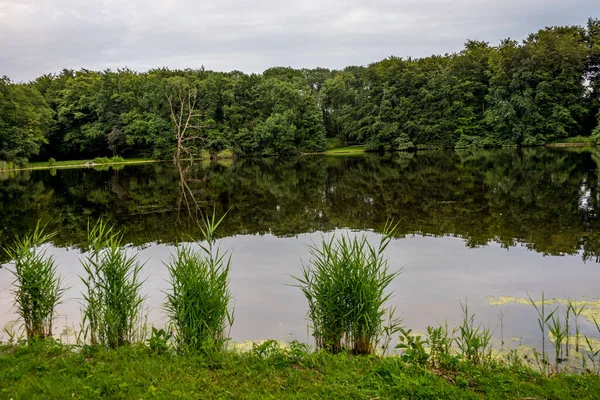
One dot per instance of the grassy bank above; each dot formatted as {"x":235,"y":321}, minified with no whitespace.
{"x":83,"y":163}
{"x":348,"y":150}
{"x":577,"y":141}
{"x":50,"y":370}
{"x":345,"y":283}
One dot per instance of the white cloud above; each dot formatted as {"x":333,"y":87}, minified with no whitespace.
{"x":42,"y":36}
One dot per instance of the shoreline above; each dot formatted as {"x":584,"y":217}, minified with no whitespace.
{"x":576,"y":144}
{"x":83,"y":164}
{"x":343,"y":151}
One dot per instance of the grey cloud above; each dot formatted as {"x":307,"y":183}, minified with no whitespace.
{"x":43,"y":36}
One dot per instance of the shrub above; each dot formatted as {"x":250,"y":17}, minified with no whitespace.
{"x":345,"y":283}
{"x":106,"y":160}
{"x":112,"y":301}
{"x":334,"y":143}
{"x":6,"y":165}
{"x":51,"y":161}
{"x":227,"y":153}
{"x":204,"y":155}
{"x":38,"y":289}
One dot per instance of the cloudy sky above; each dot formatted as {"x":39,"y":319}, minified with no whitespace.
{"x":43,"y":36}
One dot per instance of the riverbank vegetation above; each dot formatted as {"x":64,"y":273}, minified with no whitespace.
{"x":541,"y":90}
{"x":51,"y":370}
{"x":182,"y":361}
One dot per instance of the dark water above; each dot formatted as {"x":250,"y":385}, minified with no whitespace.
{"x":473,"y":224}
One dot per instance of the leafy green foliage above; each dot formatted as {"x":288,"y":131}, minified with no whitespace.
{"x":412,"y":347}
{"x":159,"y":341}
{"x":25,"y":119}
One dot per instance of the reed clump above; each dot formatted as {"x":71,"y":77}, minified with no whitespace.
{"x":37,"y":288}
{"x":199,"y":299}
{"x":345,"y":284}
{"x":113,"y":303}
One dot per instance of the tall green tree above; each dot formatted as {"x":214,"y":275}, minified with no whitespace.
{"x":24,"y":120}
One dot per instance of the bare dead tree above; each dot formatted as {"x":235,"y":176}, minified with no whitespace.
{"x":187,"y":118}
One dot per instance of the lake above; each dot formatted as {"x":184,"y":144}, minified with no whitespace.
{"x":489,"y":226}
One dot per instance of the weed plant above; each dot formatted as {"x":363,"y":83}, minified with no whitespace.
{"x":592,"y":354}
{"x":345,"y":284}
{"x":198,"y":303}
{"x":473,"y":342}
{"x":560,"y":333}
{"x":543,"y":320}
{"x":113,"y":301}
{"x":38,"y":288}
{"x":576,"y":311}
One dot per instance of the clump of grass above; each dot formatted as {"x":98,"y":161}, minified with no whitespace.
{"x":473,"y":342}
{"x":439,"y":340}
{"x":345,"y":284}
{"x":198,"y":303}
{"x":112,"y":301}
{"x":106,"y":160}
{"x":38,"y":288}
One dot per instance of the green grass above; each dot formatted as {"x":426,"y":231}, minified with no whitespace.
{"x":81,"y":163}
{"x":52,"y":371}
{"x":576,"y":140}
{"x":348,"y":150}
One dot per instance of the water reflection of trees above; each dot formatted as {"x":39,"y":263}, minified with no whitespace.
{"x":546,"y":199}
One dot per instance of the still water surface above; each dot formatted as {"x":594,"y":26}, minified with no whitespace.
{"x":476,"y":224}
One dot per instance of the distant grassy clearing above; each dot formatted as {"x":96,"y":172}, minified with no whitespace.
{"x":81,"y":163}
{"x":358,"y":149}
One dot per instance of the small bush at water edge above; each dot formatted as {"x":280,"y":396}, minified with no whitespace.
{"x":38,"y":288}
{"x":113,"y":300}
{"x":198,"y":301}
{"x":345,"y":283}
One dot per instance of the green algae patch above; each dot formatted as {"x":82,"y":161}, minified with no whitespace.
{"x":591,"y":310}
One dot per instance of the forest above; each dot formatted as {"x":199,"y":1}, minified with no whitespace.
{"x":543,"y":89}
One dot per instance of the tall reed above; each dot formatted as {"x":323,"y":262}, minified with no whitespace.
{"x":474,"y":342}
{"x":543,"y":320}
{"x":559,"y":332}
{"x":198,"y":303}
{"x":38,"y":288}
{"x":112,"y":299}
{"x":345,"y":284}
{"x":576,"y":311}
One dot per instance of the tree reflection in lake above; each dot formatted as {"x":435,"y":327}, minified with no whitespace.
{"x":477,"y":204}
{"x":545,"y":198}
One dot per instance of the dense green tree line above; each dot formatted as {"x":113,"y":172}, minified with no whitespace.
{"x":544,"y":89}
